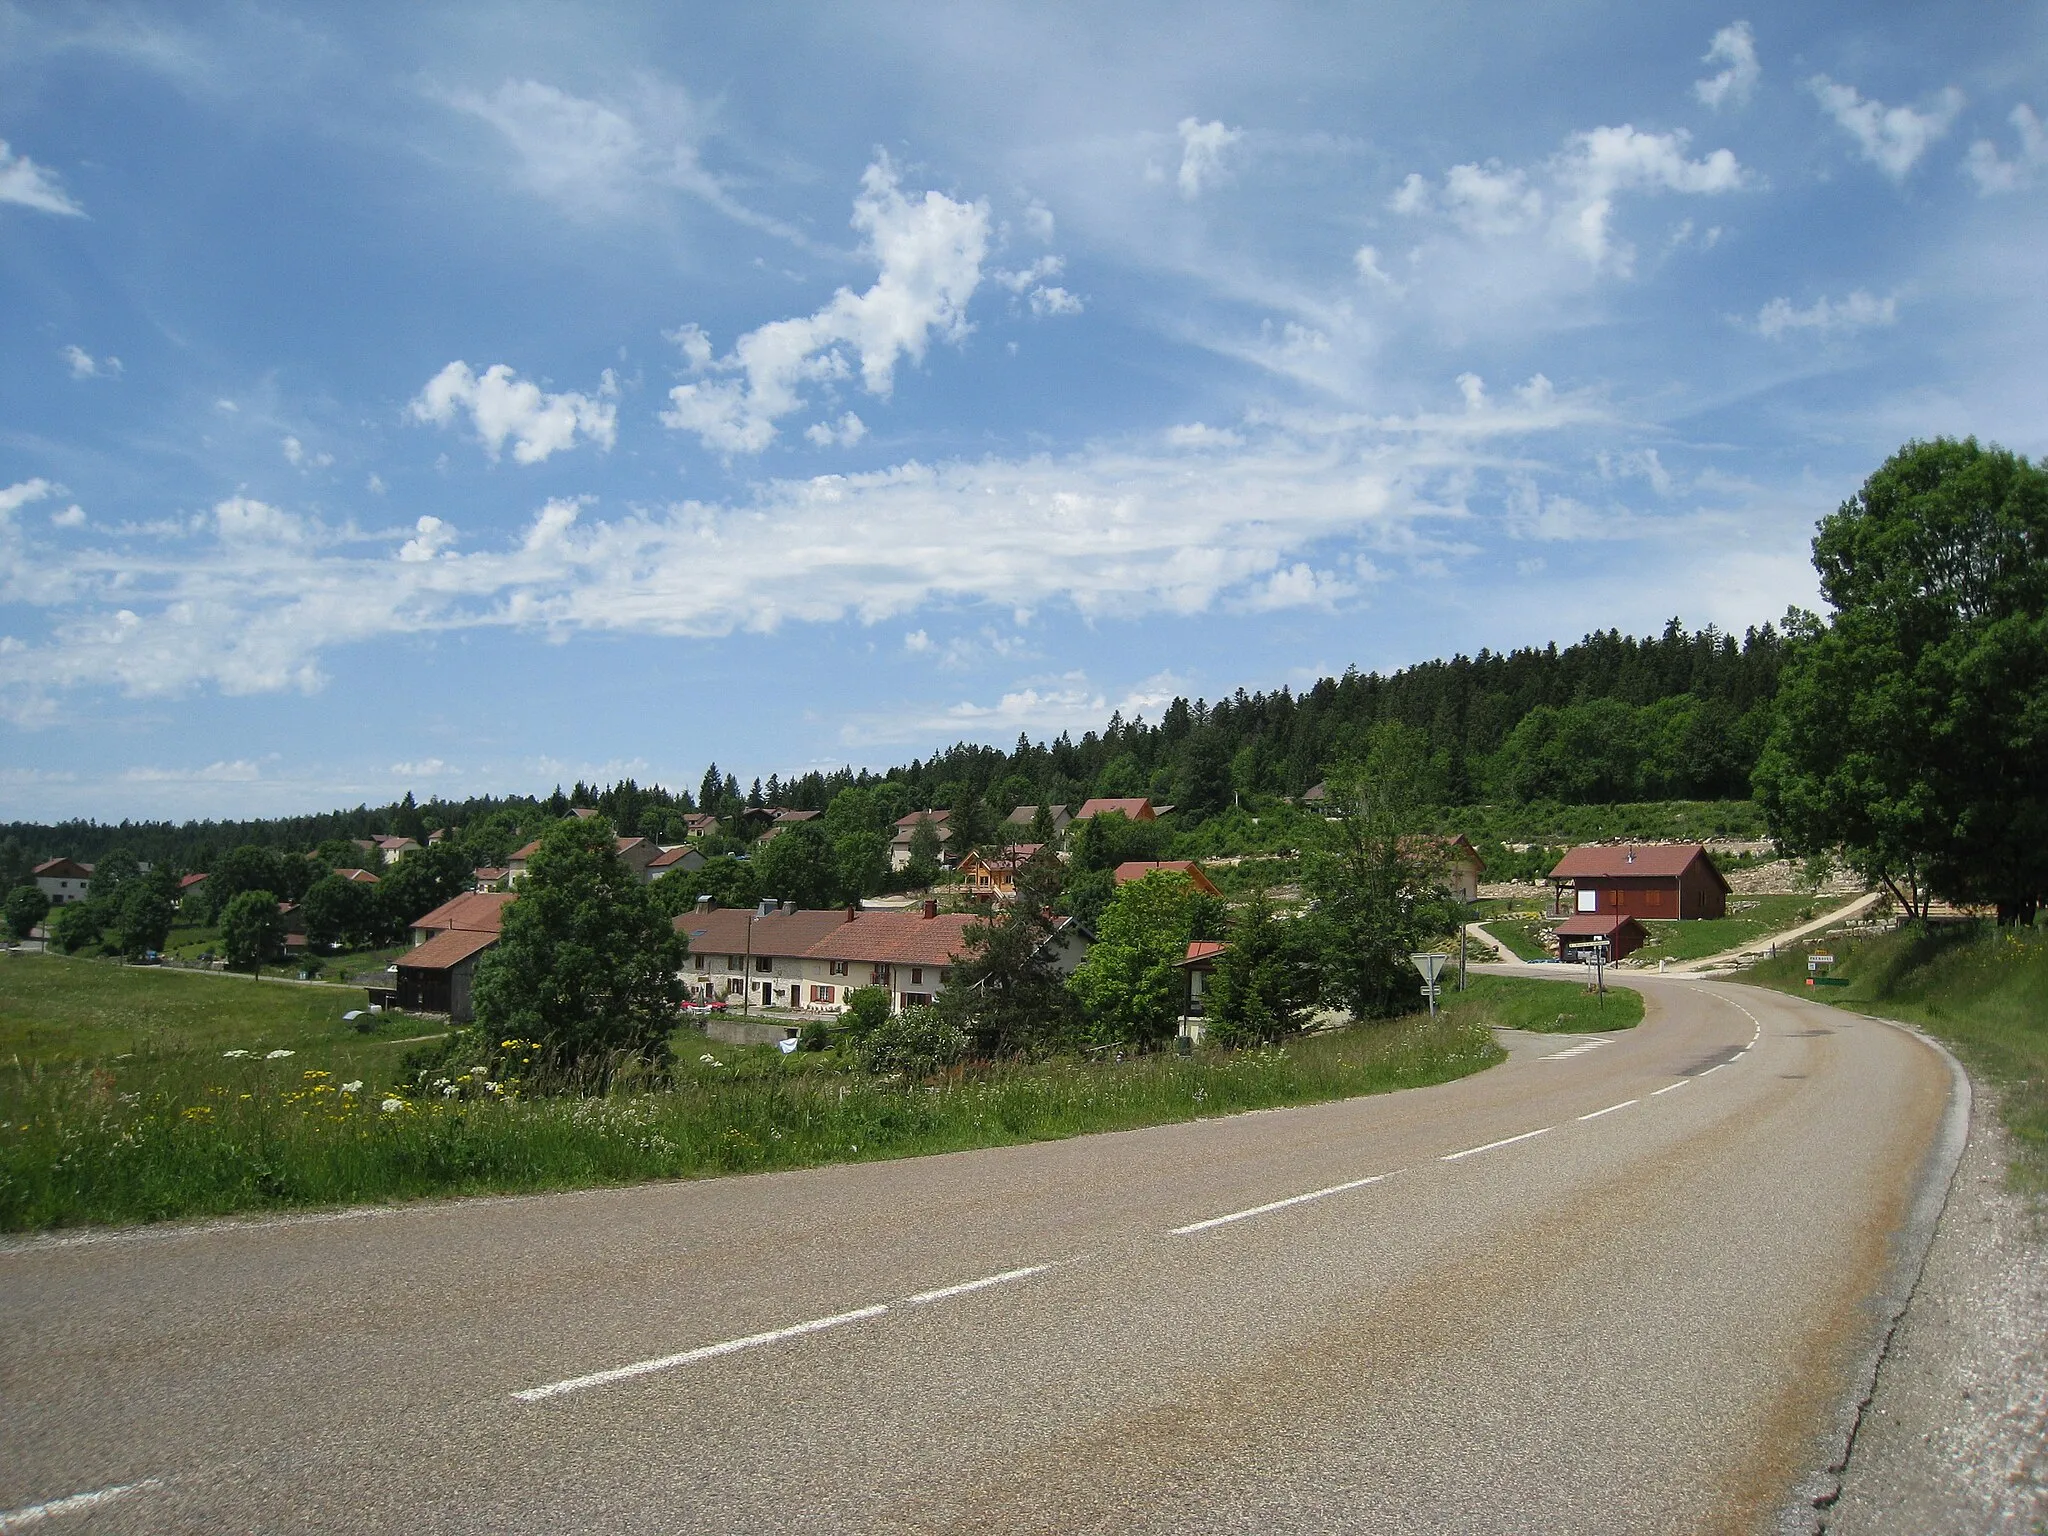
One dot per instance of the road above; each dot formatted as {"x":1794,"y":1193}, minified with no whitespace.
{"x":1620,"y":1285}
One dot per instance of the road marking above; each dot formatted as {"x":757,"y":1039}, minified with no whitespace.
{"x":1279,"y":1205}
{"x":1573,"y":1050}
{"x":1610,"y":1109}
{"x":1717,"y":1066}
{"x":1674,"y":1087}
{"x":922,"y":1297}
{"x":1507,"y":1141}
{"x":692,"y":1356}
{"x":75,"y":1504}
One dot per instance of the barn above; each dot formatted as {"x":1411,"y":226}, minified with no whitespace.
{"x":1641,"y":880}
{"x":1577,"y":935}
{"x":435,"y":977}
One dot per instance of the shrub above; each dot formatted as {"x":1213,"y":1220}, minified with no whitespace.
{"x":917,"y":1042}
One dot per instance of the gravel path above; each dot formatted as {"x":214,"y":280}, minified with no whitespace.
{"x":1955,"y":1441}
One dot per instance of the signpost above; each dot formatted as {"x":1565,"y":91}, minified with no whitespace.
{"x":1431,"y":966}
{"x":1817,"y":968}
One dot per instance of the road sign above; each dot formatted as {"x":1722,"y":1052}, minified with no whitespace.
{"x":1431,"y":965}
{"x":1816,"y":961}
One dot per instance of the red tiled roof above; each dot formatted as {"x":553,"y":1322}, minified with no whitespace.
{"x":1136,"y":808}
{"x":1586,"y":925}
{"x":896,"y":938}
{"x":1642,"y":861}
{"x":909,"y":823}
{"x":188,"y":881}
{"x":723,"y":931}
{"x":447,"y":949}
{"x":62,"y":869}
{"x":1138,"y":869}
{"x":471,"y":912}
{"x":489,"y":874}
{"x":670,"y":856}
{"x":522,"y":854}
{"x":1200,"y":950}
{"x":391,"y":844}
{"x":358,"y":876}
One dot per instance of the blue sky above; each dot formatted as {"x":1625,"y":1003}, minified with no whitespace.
{"x":474,"y":402}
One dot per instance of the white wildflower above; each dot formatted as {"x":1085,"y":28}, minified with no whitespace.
{"x":276,"y":1055}
{"x":392,"y":1106}
{"x":450,"y":1091}
{"x":231,"y":1055}
{"x":354,"y":1087}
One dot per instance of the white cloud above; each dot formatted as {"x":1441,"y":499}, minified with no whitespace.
{"x":295,"y":455}
{"x":14,"y":497}
{"x":72,"y":516}
{"x":1993,"y":174}
{"x":375,"y":484}
{"x":1195,"y":434}
{"x":844,"y":433}
{"x":1641,"y":464}
{"x":1825,"y":317}
{"x":1571,"y":197}
{"x":430,"y":537}
{"x":1201,"y":154}
{"x":501,"y":405}
{"x":238,"y":771}
{"x":917,"y":642}
{"x":1892,"y":138}
{"x":84,"y":365}
{"x":1735,"y":47}
{"x":29,"y":185}
{"x":929,"y":250}
{"x":426,"y":768}
{"x":1367,"y":260}
{"x":1030,"y":283}
{"x":1047,"y":302}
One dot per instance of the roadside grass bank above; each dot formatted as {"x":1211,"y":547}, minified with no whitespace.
{"x":1750,"y":919}
{"x":1564,"y":1006}
{"x":1981,"y":991}
{"x":178,"y":1128}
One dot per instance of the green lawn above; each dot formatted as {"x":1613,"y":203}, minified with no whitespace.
{"x":1515,"y":1002}
{"x":1529,"y":938}
{"x":1749,"y":918}
{"x":1982,"y":991}
{"x":119,"y":1100}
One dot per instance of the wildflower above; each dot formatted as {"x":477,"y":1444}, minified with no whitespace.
{"x":392,"y":1106}
{"x":313,"y":1077}
{"x":231,"y":1055}
{"x":450,"y":1091}
{"x":354,"y":1087}
{"x":198,"y":1111}
{"x":276,"y":1055}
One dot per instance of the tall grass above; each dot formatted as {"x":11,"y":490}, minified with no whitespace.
{"x":1566,"y":1004}
{"x":187,"y":1136}
{"x":1982,"y":990}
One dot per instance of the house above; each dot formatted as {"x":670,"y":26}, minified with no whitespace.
{"x":581,"y":812}
{"x":776,"y":956}
{"x":993,"y":876}
{"x":515,"y":867}
{"x":699,"y":824}
{"x":436,"y":977}
{"x":1198,"y":965}
{"x":187,"y":884}
{"x":1138,"y":869}
{"x":906,"y":829}
{"x":1317,"y":794}
{"x":1139,"y":808}
{"x":394,"y":848}
{"x":669,"y":860}
{"x":637,"y":853}
{"x":775,"y":817}
{"x":1455,"y":862}
{"x":471,"y":912}
{"x":352,"y":876}
{"x":1025,"y":816}
{"x":1645,"y":880}
{"x":490,"y":877}
{"x":1579,"y":935}
{"x":64,"y":881}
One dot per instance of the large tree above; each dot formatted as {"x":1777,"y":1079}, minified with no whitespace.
{"x":587,"y":962}
{"x":1005,"y":993}
{"x":1912,"y":725}
{"x":798,"y":864}
{"x":1375,"y":885}
{"x":251,"y":930}
{"x":1266,"y":981}
{"x":26,"y":907}
{"x":1131,"y":986}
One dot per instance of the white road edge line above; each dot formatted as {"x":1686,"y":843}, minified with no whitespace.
{"x":74,"y":1504}
{"x":1279,"y":1205}
{"x":692,"y":1356}
{"x":1717,"y":1066}
{"x":1610,"y":1109}
{"x":1508,"y":1141}
{"x":1672,"y":1087}
{"x":941,"y":1294}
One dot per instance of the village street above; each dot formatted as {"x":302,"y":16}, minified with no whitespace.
{"x":1630,"y":1284}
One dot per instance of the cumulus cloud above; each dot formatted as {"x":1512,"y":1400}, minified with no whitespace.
{"x":1571,"y":197}
{"x":1826,"y":317}
{"x":929,"y":250}
{"x":295,"y":455}
{"x":1030,"y":284}
{"x":1994,"y":174}
{"x":1892,"y":138}
{"x":844,"y":433}
{"x":72,"y":516}
{"x":14,"y":497}
{"x":1196,"y":434}
{"x":1367,"y":260}
{"x":1734,"y":47}
{"x":501,"y":405}
{"x":84,"y":365}
{"x":1202,"y":147}
{"x":430,"y":537}
{"x":29,"y":185}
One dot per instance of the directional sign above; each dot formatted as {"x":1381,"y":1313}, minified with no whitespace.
{"x":1815,"y":962}
{"x":1430,"y":965}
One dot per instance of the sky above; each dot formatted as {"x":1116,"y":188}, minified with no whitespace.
{"x":470,"y":399}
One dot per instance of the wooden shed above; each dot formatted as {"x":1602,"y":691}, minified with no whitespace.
{"x":436,"y":976}
{"x":1645,"y":880}
{"x":1624,"y":935}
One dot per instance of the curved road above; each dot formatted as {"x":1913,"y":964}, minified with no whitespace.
{"x":1626,"y":1285}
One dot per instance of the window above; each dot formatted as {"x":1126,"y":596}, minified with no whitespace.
{"x":732,"y":963}
{"x":764,"y":962}
{"x":703,"y":962}
{"x":839,"y":967}
{"x":945,"y":975}
{"x":916,"y":975}
{"x":1589,"y":901}
{"x":821,"y":994}
{"x":878,"y":975}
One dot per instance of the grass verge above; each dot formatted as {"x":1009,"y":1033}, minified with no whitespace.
{"x":176,"y":1128}
{"x":1566,"y":1005}
{"x":1981,"y":991}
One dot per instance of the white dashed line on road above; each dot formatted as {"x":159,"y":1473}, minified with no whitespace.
{"x":74,"y":1504}
{"x":772,"y":1336}
{"x":1279,"y":1205}
{"x":1671,"y":1087}
{"x":1506,"y":1141}
{"x":1574,"y":1050}
{"x":1610,"y":1109}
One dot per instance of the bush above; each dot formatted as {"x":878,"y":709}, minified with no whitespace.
{"x":917,"y":1042}
{"x":75,"y":927}
{"x":866,"y":1008}
{"x":26,"y":907}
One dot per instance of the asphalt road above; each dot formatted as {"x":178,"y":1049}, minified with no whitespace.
{"x":1643,"y":1311}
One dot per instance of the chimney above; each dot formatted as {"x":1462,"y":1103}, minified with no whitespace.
{"x":931,"y":907}
{"x":767,"y":906}
{"x":852,"y":910}
{"x":703,"y":905}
